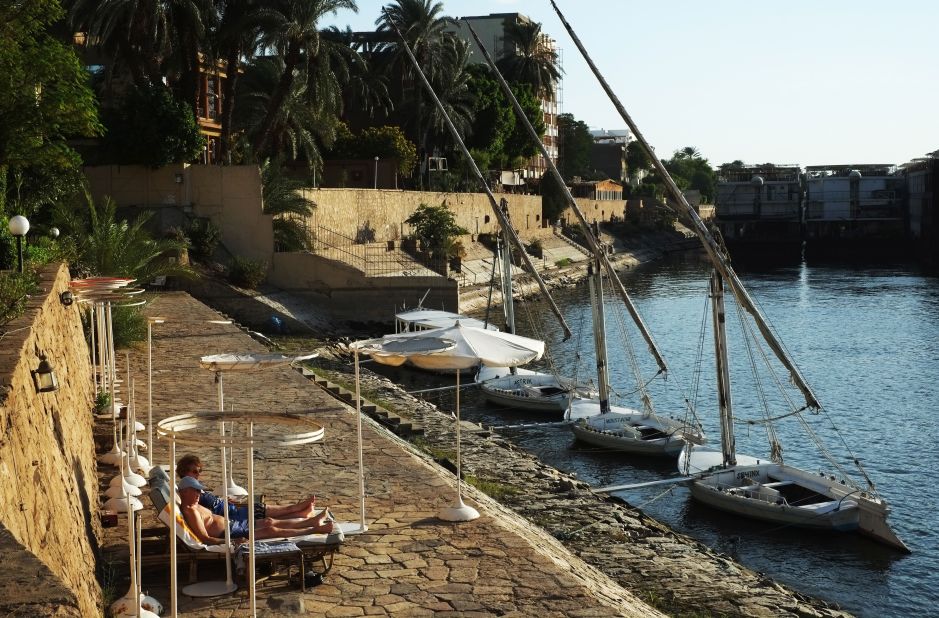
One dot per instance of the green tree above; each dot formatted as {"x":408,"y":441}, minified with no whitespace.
{"x":692,"y":171}
{"x":151,"y":128}
{"x":292,"y":30}
{"x":497,"y":137}
{"x":149,"y":39}
{"x":423,"y":26}
{"x":387,"y":142}
{"x":534,"y":62}
{"x":46,"y":100}
{"x":574,"y":143}
{"x":436,"y":228}
{"x":111,"y":247}
{"x":299,"y":131}
{"x":235,"y":37}
{"x":493,"y":120}
{"x":284,"y":201}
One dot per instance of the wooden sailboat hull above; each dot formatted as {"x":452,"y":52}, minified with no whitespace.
{"x":785,"y":495}
{"x":630,"y":431}
{"x":542,"y":392}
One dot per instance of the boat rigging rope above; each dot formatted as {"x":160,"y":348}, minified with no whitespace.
{"x":774,"y":446}
{"x":819,"y":445}
{"x":647,"y":405}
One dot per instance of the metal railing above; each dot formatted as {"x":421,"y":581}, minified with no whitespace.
{"x":376,"y":259}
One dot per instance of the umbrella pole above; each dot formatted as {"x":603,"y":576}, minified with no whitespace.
{"x":217,"y":588}
{"x":460,"y":511}
{"x":358,"y":428}
{"x":252,"y":584}
{"x":172,"y":535}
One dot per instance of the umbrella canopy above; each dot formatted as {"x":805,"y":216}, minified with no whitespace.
{"x":248,"y":361}
{"x":395,"y":352}
{"x":434,"y":318}
{"x":471,"y":346}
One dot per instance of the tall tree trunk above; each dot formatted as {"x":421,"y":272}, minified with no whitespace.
{"x":291,"y":61}
{"x":228,"y":101}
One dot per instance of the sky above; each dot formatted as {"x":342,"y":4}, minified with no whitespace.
{"x":805,"y":82}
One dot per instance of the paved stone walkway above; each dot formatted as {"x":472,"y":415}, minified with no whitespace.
{"x":408,"y":563}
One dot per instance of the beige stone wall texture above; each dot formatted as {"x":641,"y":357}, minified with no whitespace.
{"x":380,"y":215}
{"x":229,"y":195}
{"x":355,"y":296}
{"x":48,"y":484}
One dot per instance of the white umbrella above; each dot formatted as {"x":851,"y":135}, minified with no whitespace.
{"x":458,"y":347}
{"x":246,"y":361}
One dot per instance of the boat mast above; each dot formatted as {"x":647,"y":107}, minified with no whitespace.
{"x":594,"y":244}
{"x":595,"y":277}
{"x":714,"y":251}
{"x":724,"y":400}
{"x":508,"y":300}
{"x":501,"y":216}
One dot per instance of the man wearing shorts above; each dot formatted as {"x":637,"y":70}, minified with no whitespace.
{"x":210,"y":527}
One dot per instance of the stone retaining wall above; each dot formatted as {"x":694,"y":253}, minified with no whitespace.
{"x":49,"y":527}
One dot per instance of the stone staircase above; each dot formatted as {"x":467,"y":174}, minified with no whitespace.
{"x":404,"y":428}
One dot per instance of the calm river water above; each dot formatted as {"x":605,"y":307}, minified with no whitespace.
{"x":866,"y":338}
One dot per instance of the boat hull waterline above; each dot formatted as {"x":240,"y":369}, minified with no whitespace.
{"x":630,"y":431}
{"x":542,"y":392}
{"x":784,"y":495}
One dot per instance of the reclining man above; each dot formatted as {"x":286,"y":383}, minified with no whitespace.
{"x":191,"y":465}
{"x":210,"y":528}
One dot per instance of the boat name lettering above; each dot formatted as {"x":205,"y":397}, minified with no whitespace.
{"x":749,"y":474}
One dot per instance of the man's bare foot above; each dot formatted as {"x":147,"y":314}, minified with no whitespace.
{"x":307,"y":505}
{"x":322,"y":517}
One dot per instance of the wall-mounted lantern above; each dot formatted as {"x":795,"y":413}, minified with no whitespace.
{"x":44,"y":376}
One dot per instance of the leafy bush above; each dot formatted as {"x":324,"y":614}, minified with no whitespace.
{"x":130,"y":326}
{"x":204,"y":237}
{"x":14,"y":292}
{"x":247,"y":273}
{"x":535,"y":248}
{"x":386,"y":142}
{"x":436,"y":228}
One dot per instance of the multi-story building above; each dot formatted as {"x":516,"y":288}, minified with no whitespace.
{"x":760,"y":206}
{"x":608,"y":153}
{"x":491,"y":31}
{"x":922,"y":185}
{"x":854,"y":206}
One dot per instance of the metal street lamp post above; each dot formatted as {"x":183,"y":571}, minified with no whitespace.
{"x":376,"y":172}
{"x":19,"y":226}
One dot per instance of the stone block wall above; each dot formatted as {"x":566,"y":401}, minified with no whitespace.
{"x":368,"y":215}
{"x":49,"y":525}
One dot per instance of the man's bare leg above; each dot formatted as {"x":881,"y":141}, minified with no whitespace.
{"x":303,"y":508}
{"x":278,"y":532}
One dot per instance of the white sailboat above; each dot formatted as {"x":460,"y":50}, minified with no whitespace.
{"x":768,"y":489}
{"x":525,"y":389}
{"x":637,"y":432}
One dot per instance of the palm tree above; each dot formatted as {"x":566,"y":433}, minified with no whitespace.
{"x":292,"y":30}
{"x":149,"y":38}
{"x":108,"y":246}
{"x":535,"y":61}
{"x":688,"y":152}
{"x":423,"y":26}
{"x":450,"y":81}
{"x":284,"y":201}
{"x":235,"y":38}
{"x":298,"y":130}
